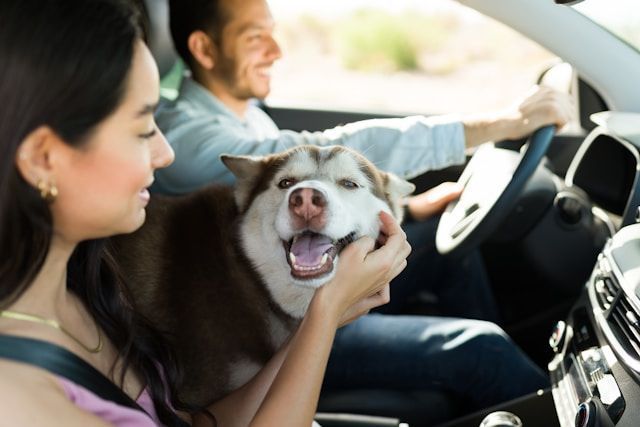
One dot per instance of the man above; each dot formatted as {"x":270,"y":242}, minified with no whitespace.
{"x":229,"y":48}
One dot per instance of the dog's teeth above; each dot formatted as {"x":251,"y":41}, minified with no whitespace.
{"x":325,"y":257}
{"x":292,"y":257}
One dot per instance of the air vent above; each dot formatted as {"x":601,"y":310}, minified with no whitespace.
{"x":607,"y":289}
{"x":624,"y":321}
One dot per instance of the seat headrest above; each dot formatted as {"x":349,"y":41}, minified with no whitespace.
{"x":159,"y":35}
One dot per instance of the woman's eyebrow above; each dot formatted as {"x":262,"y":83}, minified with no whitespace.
{"x":147,"y":109}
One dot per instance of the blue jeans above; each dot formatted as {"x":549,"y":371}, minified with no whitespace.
{"x":458,"y":286}
{"x":473,"y":361}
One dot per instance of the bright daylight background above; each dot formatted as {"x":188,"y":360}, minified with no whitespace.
{"x":402,"y":56}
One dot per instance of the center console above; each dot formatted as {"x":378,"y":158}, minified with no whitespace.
{"x":596,"y":370}
{"x":595,"y":373}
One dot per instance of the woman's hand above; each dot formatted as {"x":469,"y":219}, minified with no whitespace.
{"x":363,"y":274}
{"x":365,"y":305}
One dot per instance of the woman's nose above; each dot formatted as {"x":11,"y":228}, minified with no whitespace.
{"x":162,"y":154}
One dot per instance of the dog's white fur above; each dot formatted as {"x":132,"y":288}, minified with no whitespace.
{"x":267,"y":221}
{"x":189,"y":260}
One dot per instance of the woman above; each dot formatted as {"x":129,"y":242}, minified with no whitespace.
{"x":78,"y":147}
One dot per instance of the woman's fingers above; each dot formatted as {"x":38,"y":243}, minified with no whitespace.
{"x":363,"y":306}
{"x":362,"y":279}
{"x":360,"y":248}
{"x":389,"y":225}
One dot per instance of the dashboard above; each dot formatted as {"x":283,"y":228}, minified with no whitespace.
{"x":595,"y":372}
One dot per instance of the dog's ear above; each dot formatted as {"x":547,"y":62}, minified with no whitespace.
{"x":247,"y":170}
{"x":397,"y":189}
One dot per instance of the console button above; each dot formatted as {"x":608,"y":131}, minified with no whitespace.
{"x":556,"y":340}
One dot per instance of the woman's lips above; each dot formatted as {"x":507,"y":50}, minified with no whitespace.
{"x":144,"y":195}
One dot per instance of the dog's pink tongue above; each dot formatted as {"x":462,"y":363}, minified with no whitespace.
{"x":309,"y":249}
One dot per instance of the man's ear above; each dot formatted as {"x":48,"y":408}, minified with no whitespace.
{"x":38,"y":156}
{"x":247,"y":170}
{"x":203,"y":49}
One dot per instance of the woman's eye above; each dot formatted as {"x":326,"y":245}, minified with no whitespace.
{"x":286,"y":183}
{"x":348,"y":184}
{"x":148,"y":135}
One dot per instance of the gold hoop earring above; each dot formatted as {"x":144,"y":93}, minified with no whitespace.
{"x":48,"y":192}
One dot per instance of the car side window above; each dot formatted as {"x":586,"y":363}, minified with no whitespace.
{"x":406,"y":56}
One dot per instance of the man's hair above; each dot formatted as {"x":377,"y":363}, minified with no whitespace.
{"x":187,"y":16}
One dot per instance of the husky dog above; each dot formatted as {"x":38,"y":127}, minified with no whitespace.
{"x":228,"y":274}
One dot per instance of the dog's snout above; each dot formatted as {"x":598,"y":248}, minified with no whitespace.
{"x":308,"y":204}
{"x":307,"y":196}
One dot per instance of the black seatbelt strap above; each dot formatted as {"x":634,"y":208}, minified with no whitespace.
{"x":62,"y":362}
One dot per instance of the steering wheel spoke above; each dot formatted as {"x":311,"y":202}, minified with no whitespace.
{"x":492,"y":181}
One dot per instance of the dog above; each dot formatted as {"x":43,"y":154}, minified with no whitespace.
{"x":227,"y":274}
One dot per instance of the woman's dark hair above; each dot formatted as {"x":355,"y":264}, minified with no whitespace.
{"x":65,"y":64}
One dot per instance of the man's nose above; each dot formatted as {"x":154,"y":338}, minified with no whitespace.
{"x":274,"y":49}
{"x":307,"y":203}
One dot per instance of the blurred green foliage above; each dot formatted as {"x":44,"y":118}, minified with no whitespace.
{"x":373,"y":40}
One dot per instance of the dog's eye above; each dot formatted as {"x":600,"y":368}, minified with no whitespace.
{"x":348,"y":184}
{"x":286,"y":183}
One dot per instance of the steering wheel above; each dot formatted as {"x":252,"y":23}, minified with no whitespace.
{"x":492,"y":182}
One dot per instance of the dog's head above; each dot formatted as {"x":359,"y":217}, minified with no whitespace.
{"x":303,"y":206}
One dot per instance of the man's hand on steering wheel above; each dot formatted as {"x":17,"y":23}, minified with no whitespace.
{"x":540,"y":106}
{"x":433,"y":201}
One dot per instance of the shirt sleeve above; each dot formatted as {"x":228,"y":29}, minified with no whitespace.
{"x":406,"y":146}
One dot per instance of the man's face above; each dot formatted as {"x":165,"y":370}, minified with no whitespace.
{"x":247,"y":50}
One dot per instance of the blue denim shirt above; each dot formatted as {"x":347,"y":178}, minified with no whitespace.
{"x":200,"y":128}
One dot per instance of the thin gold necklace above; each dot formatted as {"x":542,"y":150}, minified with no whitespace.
{"x":16,"y":315}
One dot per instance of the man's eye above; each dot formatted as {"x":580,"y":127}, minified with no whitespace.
{"x":348,"y":184}
{"x":286,"y":183}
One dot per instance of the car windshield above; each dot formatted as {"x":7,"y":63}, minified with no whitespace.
{"x":620,"y":17}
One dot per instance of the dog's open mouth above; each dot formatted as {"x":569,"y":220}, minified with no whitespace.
{"x":311,"y":255}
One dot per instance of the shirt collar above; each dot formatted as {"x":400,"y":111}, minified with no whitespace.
{"x":195,"y":92}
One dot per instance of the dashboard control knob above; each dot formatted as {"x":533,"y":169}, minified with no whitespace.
{"x":585,"y":417}
{"x":501,"y":419}
{"x":592,"y":413}
{"x":570,"y":208}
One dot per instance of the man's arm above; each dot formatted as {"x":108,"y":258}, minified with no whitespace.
{"x":407,"y":147}
{"x":541,"y":106}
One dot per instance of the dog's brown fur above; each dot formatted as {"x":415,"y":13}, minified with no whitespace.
{"x":181,"y":281}
{"x":190,"y":277}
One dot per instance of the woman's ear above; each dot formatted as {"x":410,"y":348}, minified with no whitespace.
{"x":37,"y":155}
{"x":203,"y":49}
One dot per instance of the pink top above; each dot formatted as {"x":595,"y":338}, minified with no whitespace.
{"x":119,"y":416}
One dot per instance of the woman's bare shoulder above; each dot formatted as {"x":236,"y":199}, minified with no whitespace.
{"x":32,"y":396}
